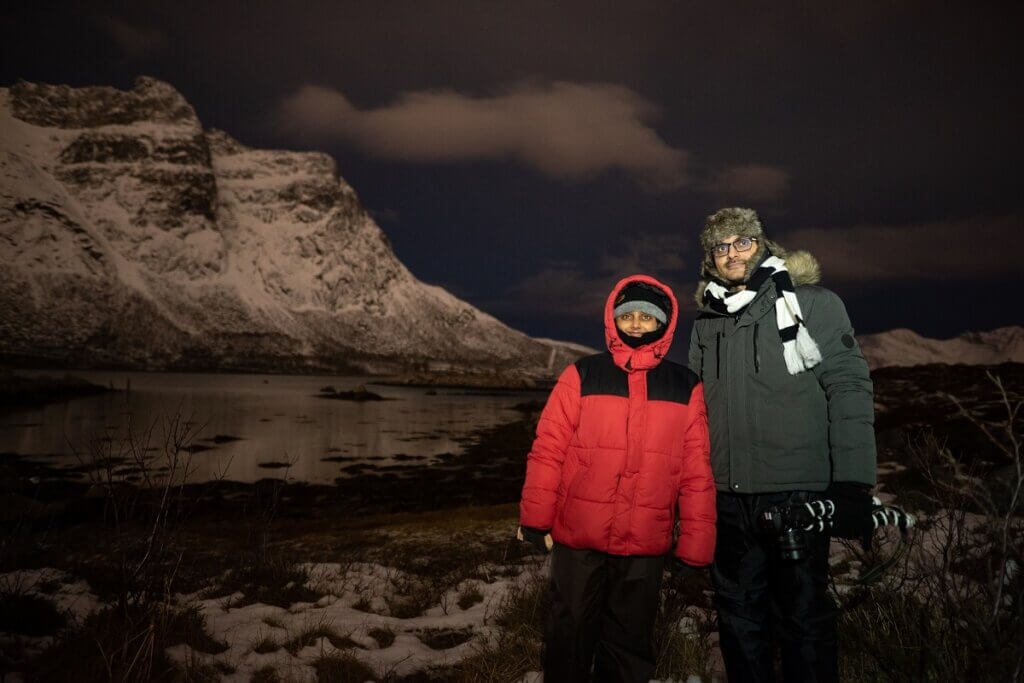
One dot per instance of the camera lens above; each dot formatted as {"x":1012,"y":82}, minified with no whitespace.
{"x":792,"y":544}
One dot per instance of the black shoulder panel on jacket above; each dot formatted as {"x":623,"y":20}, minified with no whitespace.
{"x":600,"y":375}
{"x":668,"y":382}
{"x":671,"y":382}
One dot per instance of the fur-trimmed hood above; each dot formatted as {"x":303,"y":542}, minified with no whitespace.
{"x":802,"y":266}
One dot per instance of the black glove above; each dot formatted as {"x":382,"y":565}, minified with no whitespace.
{"x":852,"y":516}
{"x":536,"y":537}
{"x":680,"y":571}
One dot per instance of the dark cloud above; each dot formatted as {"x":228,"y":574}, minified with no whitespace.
{"x":134,"y":41}
{"x":749,"y":183}
{"x":925,"y":253}
{"x":568,"y":131}
{"x":568,"y":290}
{"x":558,"y":291}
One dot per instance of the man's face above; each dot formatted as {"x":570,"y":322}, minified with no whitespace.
{"x":732,"y":265}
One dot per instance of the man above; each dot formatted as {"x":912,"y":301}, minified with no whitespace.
{"x":790,"y":414}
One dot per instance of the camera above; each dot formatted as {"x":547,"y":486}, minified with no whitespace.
{"x":790,"y":524}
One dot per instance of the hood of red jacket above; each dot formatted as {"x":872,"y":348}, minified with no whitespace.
{"x":649,"y":355}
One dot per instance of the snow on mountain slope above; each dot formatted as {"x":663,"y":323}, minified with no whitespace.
{"x":131,"y":236}
{"x":904,"y":347}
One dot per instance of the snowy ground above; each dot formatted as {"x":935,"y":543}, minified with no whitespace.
{"x":368,"y":609}
{"x":352,"y":617}
{"x":421,"y":592}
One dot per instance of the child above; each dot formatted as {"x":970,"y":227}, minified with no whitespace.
{"x":621,"y":450}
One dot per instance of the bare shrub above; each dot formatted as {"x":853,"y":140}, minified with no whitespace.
{"x":954,"y":607}
{"x":132,"y":515}
{"x":125,"y":645}
{"x":141,"y":517}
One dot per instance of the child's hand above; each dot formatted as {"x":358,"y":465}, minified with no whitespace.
{"x":539,"y":538}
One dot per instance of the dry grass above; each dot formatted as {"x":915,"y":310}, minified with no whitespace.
{"x":313,"y":632}
{"x":383,"y":636}
{"x":266,"y":644}
{"x":125,"y":646}
{"x":469,"y":595}
{"x":343,"y":668}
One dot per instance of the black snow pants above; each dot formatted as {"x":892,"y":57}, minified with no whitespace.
{"x":765,"y":601}
{"x":601,"y":615}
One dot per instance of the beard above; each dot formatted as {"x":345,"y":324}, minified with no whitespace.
{"x":749,"y":266}
{"x":741,"y":278}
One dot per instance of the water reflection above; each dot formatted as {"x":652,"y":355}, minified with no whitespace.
{"x":276,"y":419}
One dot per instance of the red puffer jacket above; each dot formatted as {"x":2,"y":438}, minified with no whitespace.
{"x":621,"y":448}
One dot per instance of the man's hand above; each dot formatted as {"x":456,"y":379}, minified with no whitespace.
{"x":539,"y":538}
{"x":852,"y":516}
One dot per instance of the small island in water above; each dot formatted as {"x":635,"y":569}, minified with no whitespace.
{"x":359,"y":393}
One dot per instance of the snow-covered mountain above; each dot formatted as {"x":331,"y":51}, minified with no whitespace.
{"x":132,"y":236}
{"x":901,"y":347}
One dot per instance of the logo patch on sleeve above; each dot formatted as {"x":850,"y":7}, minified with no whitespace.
{"x":848,"y":341}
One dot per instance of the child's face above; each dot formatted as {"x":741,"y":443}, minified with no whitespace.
{"x":636,"y":323}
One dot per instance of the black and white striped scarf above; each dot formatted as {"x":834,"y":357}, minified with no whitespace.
{"x":798,"y":347}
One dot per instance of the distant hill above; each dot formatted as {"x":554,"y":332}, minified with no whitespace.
{"x":902,"y":347}
{"x":131,"y":236}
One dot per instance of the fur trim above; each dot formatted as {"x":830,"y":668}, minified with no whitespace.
{"x":803,"y":268}
{"x":731,"y":221}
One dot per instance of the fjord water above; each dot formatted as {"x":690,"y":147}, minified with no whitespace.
{"x":277,"y":419}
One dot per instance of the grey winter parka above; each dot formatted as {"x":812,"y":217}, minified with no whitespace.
{"x":772,"y":431}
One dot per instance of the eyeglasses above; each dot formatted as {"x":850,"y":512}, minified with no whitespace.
{"x":740,"y":244}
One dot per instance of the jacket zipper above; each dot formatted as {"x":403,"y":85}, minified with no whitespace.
{"x":718,"y":355}
{"x":757,"y":362}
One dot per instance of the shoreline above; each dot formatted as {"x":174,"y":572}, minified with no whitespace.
{"x":491,"y":379}
{"x":21,"y":392}
{"x":488,"y":471}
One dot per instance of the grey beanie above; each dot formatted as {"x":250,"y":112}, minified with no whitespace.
{"x":726,"y":222}
{"x":640,"y":296}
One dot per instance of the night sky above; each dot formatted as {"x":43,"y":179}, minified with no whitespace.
{"x":525,"y":155}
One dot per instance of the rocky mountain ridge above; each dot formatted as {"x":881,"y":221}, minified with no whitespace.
{"x":903,"y":348}
{"x":133,"y":237}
